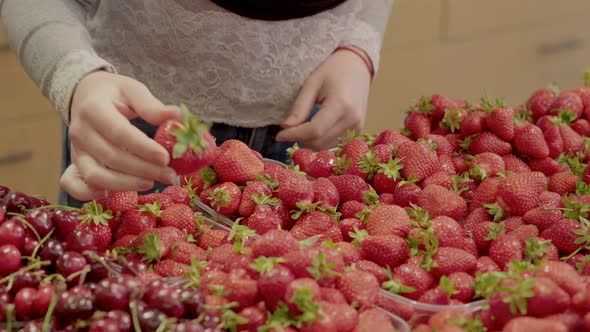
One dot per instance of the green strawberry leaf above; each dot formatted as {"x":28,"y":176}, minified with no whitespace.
{"x":535,"y":249}
{"x":495,"y":230}
{"x":320,"y":268}
{"x":395,"y":287}
{"x":358,"y":236}
{"x":496,"y":211}
{"x":488,"y":104}
{"x":264,"y":265}
{"x":309,"y":309}
{"x":448,"y":286}
{"x":452,"y":120}
{"x":95,"y":215}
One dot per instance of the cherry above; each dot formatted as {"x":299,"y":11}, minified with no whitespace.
{"x":23,"y":304}
{"x":4,"y":191}
{"x":166,"y":299}
{"x":26,"y":279}
{"x":192,"y":301}
{"x":131,"y":283}
{"x":2,"y":213}
{"x":134,"y":264}
{"x":188,"y":327}
{"x":12,"y":232}
{"x":11,"y":258}
{"x":70,"y":263}
{"x":211,"y":321}
{"x":149,"y":319}
{"x":17,"y":202}
{"x":52,"y":250}
{"x":98,"y":264}
{"x":33,"y":326}
{"x":110,"y":294}
{"x":4,"y":300}
{"x":40,"y":220}
{"x":80,"y":241}
{"x":37,"y":202}
{"x":122,"y":318}
{"x":78,"y":302}
{"x":42,"y":298}
{"x":29,"y":245}
{"x":104,"y":325}
{"x":65,"y":222}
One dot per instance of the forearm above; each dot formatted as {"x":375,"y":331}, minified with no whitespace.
{"x":52,"y":44}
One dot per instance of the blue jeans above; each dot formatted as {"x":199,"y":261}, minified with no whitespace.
{"x":261,"y":139}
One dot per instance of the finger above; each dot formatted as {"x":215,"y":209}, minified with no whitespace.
{"x":123,"y":161}
{"x":107,"y":121}
{"x":148,"y":107}
{"x":71,"y":182}
{"x":314,"y":129}
{"x":98,"y":176}
{"x":303,"y":103}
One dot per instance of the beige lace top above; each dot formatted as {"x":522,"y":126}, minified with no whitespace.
{"x":227,"y":68}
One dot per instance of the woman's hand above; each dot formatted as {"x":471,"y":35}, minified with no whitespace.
{"x":341,"y":85}
{"x":108,"y":152}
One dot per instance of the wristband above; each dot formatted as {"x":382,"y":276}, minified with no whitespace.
{"x":361,"y":55}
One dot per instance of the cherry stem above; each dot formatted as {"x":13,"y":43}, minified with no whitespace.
{"x":29,"y":226}
{"x":134,"y":317}
{"x":23,"y":270}
{"x":43,"y":240}
{"x":82,"y":274}
{"x":55,"y":206}
{"x":49,"y":314}
{"x":100,"y":259}
{"x":9,"y":317}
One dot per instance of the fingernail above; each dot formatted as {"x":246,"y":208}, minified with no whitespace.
{"x":146,"y":185}
{"x":100,"y":194}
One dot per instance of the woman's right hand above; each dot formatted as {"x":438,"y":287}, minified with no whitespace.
{"x":109,"y":153}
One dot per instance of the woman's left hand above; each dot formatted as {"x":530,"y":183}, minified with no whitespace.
{"x":341,"y":86}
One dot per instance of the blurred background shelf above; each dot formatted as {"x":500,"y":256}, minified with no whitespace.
{"x":460,"y":48}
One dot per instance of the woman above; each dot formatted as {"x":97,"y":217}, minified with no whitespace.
{"x":254,"y":68}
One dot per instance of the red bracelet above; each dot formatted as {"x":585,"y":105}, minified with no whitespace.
{"x":361,"y":55}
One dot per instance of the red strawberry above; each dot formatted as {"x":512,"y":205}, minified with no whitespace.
{"x":223,"y":197}
{"x":485,"y":165}
{"x":463,"y":285}
{"x":562,"y":274}
{"x":95,"y":221}
{"x":436,"y":296}
{"x":188,"y":142}
{"x":353,"y":188}
{"x":438,"y":104}
{"x":390,"y":137}
{"x":572,"y":141}
{"x":322,"y":165}
{"x":439,"y":201}
{"x":255,"y":317}
{"x":273,"y":283}
{"x":170,"y":268}
{"x":306,"y":286}
{"x":563,"y":183}
{"x":354,"y":149}
{"x":223,"y":256}
{"x":473,"y":123}
{"x":449,"y":260}
{"x":489,"y":142}
{"x":382,"y":152}
{"x":213,"y":238}
{"x":484,"y":234}
{"x":316,"y":223}
{"x":345,"y":317}
{"x":350,"y":253}
{"x":514,"y":164}
{"x":326,"y":193}
{"x":248,"y":202}
{"x":374,"y":320}
{"x":501,"y":122}
{"x":264,"y":219}
{"x":540,"y":101}
{"x":549,"y":298}
{"x":476,"y":216}
{"x":274,"y":243}
{"x":294,"y":189}
{"x":447,"y":165}
{"x":177,"y":194}
{"x":524,"y":232}
{"x":486,"y":264}
{"x":274,"y":172}
{"x":137,"y":220}
{"x":199,"y":180}
{"x":369,"y":266}
{"x":505,"y":249}
{"x":582,"y":127}
{"x":542,"y":218}
{"x":301,"y":157}
{"x":359,"y":287}
{"x":529,"y":140}
{"x":562,"y":235}
{"x":152,"y":198}
{"x":419,"y":124}
{"x":415,"y":279}
{"x":418,"y":159}
{"x":461,"y":163}
{"x":520,"y":192}
{"x":350,"y":209}
{"x":124,"y":241}
{"x":534,"y":324}
{"x":406,"y":194}
{"x":554,"y":141}
{"x":442,"y":178}
{"x":332,"y":295}
{"x":447,"y":231}
{"x":241,"y":289}
{"x":388,"y":219}
{"x":122,"y":201}
{"x":547,"y":166}
{"x":386,"y":250}
{"x":570,"y":101}
{"x":184,"y":252}
{"x":236,"y":163}
{"x":179,"y":216}
{"x":387,"y":176}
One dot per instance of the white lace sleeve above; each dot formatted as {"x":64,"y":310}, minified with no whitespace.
{"x":368,"y":28}
{"x":53,"y":45}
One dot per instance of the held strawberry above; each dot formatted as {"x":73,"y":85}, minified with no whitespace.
{"x":189,"y":143}
{"x":235,"y":162}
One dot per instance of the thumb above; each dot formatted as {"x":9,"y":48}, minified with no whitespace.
{"x":303,"y":103}
{"x":148,"y":107}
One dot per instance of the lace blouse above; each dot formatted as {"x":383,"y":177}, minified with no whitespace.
{"x":225,"y":67}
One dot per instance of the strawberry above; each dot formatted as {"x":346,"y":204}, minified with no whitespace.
{"x":301,"y":157}
{"x":223,"y":197}
{"x":326,"y":193}
{"x":418,"y":160}
{"x":387,"y":198}
{"x":137,"y":220}
{"x":354,"y":149}
{"x":316,"y":223}
{"x":542,"y":218}
{"x":350,"y":209}
{"x":447,"y":231}
{"x":305,"y":287}
{"x":388,"y":219}
{"x":454,"y":141}
{"x":462,"y":286}
{"x":124,"y":241}
{"x":323,"y":164}
{"x":484,"y":234}
{"x":373,"y":320}
{"x":350,"y":253}
{"x":121,"y":201}
{"x":179,"y":216}
{"x":241,"y":289}
{"x":563,"y":275}
{"x":332,"y":295}
{"x":476,"y":216}
{"x":563,"y":183}
{"x":387,"y":176}
{"x":188,"y":142}
{"x":213,"y":238}
{"x":274,"y":243}
{"x":177,"y":194}
{"x":461,"y":163}
{"x":264,"y":219}
{"x":442,"y":178}
{"x":390,"y":137}
{"x":473,"y":123}
{"x":95,"y":221}
{"x":295,"y":189}
{"x":359,"y":287}
{"x":514,"y":164}
{"x":184,"y":252}
{"x":562,"y":235}
{"x":199,"y":180}
{"x":486,"y":165}
{"x":554,"y":141}
{"x":529,"y":140}
{"x":236,"y":163}
{"x":344,"y":316}
{"x":273,"y":283}
{"x":382,"y":152}
{"x":438,"y":104}
{"x":572,"y":141}
{"x":489,"y":142}
{"x":411,"y":280}
{"x":549,"y":298}
{"x":520,"y":192}
{"x":439,"y":201}
{"x":406,"y":194}
{"x":386,"y":250}
{"x":486,"y":264}
{"x":524,"y":232}
{"x":274,"y":172}
{"x":449,"y":260}
{"x":447,"y":165}
{"x":570,"y":101}
{"x":170,"y":268}
{"x":418,"y":124}
{"x":505,"y":249}
{"x":582,"y":127}
{"x":547,"y":166}
{"x":512,"y":223}
{"x":436,"y":296}
{"x":254,"y":316}
{"x":222,"y":255}
{"x":369,"y":266}
{"x":452,"y":119}
{"x":500,"y":121}
{"x":353,"y":188}
{"x":151,"y":198}
{"x":534,"y":324}
{"x":252,"y":189}
{"x":540,"y":102}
